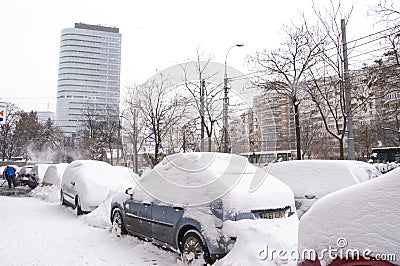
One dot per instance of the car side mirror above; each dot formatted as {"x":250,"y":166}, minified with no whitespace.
{"x":129,"y":191}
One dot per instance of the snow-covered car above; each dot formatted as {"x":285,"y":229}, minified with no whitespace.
{"x":358,"y":225}
{"x":190,"y":201}
{"x":37,"y":173}
{"x":86,"y":184}
{"x":310,"y":180}
{"x":54,"y":174}
{"x":23,"y":174}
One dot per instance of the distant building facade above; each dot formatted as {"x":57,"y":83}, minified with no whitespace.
{"x":88,"y":75}
{"x":44,"y":116}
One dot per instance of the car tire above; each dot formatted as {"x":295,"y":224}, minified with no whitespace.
{"x":63,"y":202}
{"x":118,"y":225}
{"x":193,"y":249}
{"x":78,"y":209}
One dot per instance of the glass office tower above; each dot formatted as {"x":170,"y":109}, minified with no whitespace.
{"x":88,"y":75}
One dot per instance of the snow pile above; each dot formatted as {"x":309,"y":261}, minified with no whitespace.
{"x":54,"y":174}
{"x":366,"y":215}
{"x":47,"y":193}
{"x":258,"y":239}
{"x":100,"y":217}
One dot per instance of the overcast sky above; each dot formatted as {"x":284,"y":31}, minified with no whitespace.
{"x":156,"y":34}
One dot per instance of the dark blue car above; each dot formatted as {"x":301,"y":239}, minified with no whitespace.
{"x":183,"y":202}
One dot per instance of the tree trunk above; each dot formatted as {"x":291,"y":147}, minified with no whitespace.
{"x":297,"y":125}
{"x":341,"y":149}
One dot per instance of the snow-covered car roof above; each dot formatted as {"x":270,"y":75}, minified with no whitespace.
{"x":320,"y":177}
{"x":363,"y":216}
{"x":98,"y":172}
{"x":201,"y":177}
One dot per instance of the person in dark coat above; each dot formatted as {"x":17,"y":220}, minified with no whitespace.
{"x":10,"y":175}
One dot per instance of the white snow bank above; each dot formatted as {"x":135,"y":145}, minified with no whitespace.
{"x":47,"y":193}
{"x":36,"y":232}
{"x":258,"y":239}
{"x":100,"y":217}
{"x":54,"y":174}
{"x":366,"y":215}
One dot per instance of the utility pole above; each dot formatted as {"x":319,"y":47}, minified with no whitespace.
{"x":202,"y":90}
{"x":225,"y":114}
{"x":225,"y":103}
{"x":347,"y":94}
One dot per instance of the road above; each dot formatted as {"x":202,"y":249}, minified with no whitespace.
{"x":17,"y":192}
{"x":36,"y":232}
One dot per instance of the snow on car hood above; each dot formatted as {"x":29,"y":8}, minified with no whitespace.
{"x":363,"y":216}
{"x":191,"y":179}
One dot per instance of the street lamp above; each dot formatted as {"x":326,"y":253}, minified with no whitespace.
{"x":226,"y":102}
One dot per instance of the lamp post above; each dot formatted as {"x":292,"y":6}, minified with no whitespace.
{"x":226,"y":102}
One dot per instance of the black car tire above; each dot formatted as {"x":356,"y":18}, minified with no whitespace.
{"x":78,"y":206}
{"x":194,"y":249}
{"x":118,"y":225}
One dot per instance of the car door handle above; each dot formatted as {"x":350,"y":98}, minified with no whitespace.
{"x":146,"y":204}
{"x":178,"y":208}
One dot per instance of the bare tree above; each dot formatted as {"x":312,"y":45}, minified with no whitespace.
{"x":284,"y":70}
{"x":383,"y":75}
{"x":310,"y":130}
{"x":327,"y":86}
{"x":205,"y":97}
{"x":162,"y":108}
{"x":388,"y":11}
{"x":133,"y":122}
{"x":100,"y":132}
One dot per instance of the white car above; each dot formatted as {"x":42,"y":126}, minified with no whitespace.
{"x":54,"y":174}
{"x":312,"y":179}
{"x":86,"y":184}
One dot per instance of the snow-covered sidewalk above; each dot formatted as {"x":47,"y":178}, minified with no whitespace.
{"x":36,"y":232}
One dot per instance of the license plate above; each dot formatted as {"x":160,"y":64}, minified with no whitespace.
{"x":272,"y":215}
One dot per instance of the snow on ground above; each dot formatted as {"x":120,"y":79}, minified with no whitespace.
{"x":42,"y":232}
{"x":37,"y":230}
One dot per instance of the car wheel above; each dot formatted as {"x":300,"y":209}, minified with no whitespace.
{"x":78,"y":209}
{"x":63,"y":202}
{"x":118,"y":224}
{"x":193,"y":249}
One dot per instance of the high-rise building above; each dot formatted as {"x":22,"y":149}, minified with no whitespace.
{"x":88,"y":75}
